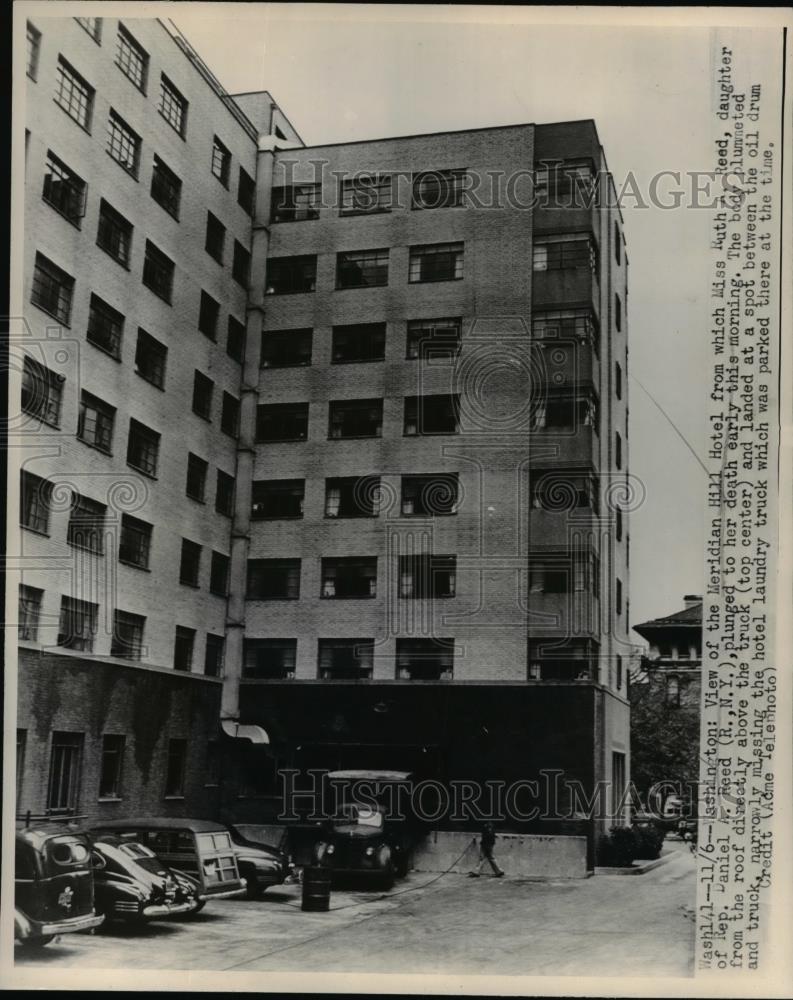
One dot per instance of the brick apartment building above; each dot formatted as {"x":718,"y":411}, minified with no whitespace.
{"x":319,"y":445}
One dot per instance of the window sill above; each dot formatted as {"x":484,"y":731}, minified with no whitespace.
{"x":132,"y":565}
{"x":146,"y":379}
{"x":277,"y":517}
{"x":292,"y":291}
{"x":432,"y":281}
{"x":351,"y":517}
{"x":109,"y":798}
{"x":350,"y":213}
{"x":104,"y":350}
{"x":41,"y":420}
{"x":203,"y":416}
{"x":47,"y":312}
{"x":217,"y":593}
{"x":112,"y":256}
{"x":432,"y":513}
{"x":96,"y":447}
{"x":133,"y":173}
{"x":272,"y":598}
{"x":357,"y":288}
{"x":357,"y":361}
{"x":35,"y":531}
{"x":285,"y":364}
{"x":200,"y":500}
{"x":143,"y":472}
{"x":296,"y":440}
{"x":193,"y":586}
{"x":356,"y":437}
{"x":173,"y":798}
{"x":348,"y":597}
{"x":431,"y":434}
{"x":63,"y":215}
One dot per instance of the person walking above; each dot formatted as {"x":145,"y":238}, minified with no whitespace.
{"x":486,"y":844}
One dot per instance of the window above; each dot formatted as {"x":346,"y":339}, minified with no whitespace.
{"x":150,"y":357}
{"x":618,"y":519}
{"x":93,"y":25}
{"x":432,"y":415}
{"x":33,"y":49}
{"x":65,"y":767}
{"x":213,"y":656}
{"x":286,"y":348}
{"x":277,"y":499}
{"x":196,"y":477}
{"x":350,"y":576}
{"x":617,"y":312}
{"x":355,"y":418}
{"x":224,"y":493}
{"x":295,"y":203}
{"x":433,"y":338}
{"x":434,"y":495}
{"x":219,"y":574}
{"x":618,"y":682}
{"x":29,"y":613}
{"x":425,"y":659}
{"x":673,"y":691}
{"x":361,"y":268}
{"x":567,"y":324}
{"x":618,"y":449}
{"x":273,"y":579}
{"x":202,"y":395}
{"x":436,"y":262}
{"x":74,"y":94}
{"x":345,"y":659}
{"x":618,"y":379}
{"x":105,"y":327}
{"x":190,"y":563}
{"x":77,"y":624}
{"x":127,"y":642}
{"x":562,"y":409}
{"x":158,"y":272}
{"x":352,"y":496}
{"x":166,"y":187}
{"x":617,"y":243}
{"x":438,"y":189}
{"x":52,"y":289}
{"x":143,"y":445}
{"x":230,"y":415}
{"x":114,"y":234}
{"x":365,"y":193}
{"x":221,"y":162}
{"x":269,"y":659}
{"x":427,"y":576}
{"x":556,"y":253}
{"x":246,"y":192}
{"x":87,"y":524}
{"x":172,"y":106}
{"x":216,"y":238}
{"x":235,"y":340}
{"x":42,"y":391}
{"x":35,"y":502}
{"x":95,"y":423}
{"x":574,"y":181}
{"x":241,"y":265}
{"x":174,"y":774}
{"x":282,"y":422}
{"x":208,"y":314}
{"x":123,"y":143}
{"x":64,"y":190}
{"x":618,"y":596}
{"x":561,"y":574}
{"x":135,"y":542}
{"x":132,"y":59}
{"x":289,"y":275}
{"x":358,"y":342}
{"x":564,"y":490}
{"x":112,"y":765}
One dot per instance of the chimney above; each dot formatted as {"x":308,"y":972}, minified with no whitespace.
{"x":691,"y":600}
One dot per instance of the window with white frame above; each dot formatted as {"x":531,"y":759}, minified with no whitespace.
{"x":74,"y":94}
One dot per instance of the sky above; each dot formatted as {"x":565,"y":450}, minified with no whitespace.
{"x":342,"y":74}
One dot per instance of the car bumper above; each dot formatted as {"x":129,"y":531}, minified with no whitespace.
{"x":155,"y":910}
{"x":224,"y":893}
{"x":69,"y":926}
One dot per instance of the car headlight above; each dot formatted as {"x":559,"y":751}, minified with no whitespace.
{"x":330,"y":849}
{"x":369,"y":851}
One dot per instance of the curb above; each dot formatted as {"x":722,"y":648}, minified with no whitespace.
{"x":635,"y":869}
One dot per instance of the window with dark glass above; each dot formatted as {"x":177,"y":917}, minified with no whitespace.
{"x":150,"y":358}
{"x":105,"y":327}
{"x":434,"y":338}
{"x":361,"y":268}
{"x":219,"y":574}
{"x":273,"y":580}
{"x":437,"y":414}
{"x":434,"y":495}
{"x":571,"y":183}
{"x":143,"y":446}
{"x":436,"y":262}
{"x":286,"y":348}
{"x":289,"y":275}
{"x":33,"y":49}
{"x":215,"y":237}
{"x":565,"y":409}
{"x":123,"y":143}
{"x":282,"y":422}
{"x":174,"y":774}
{"x":563,"y":490}
{"x":93,"y":25}
{"x":618,"y":379}
{"x":208,"y":316}
{"x":241,"y":265}
{"x":358,"y":342}
{"x":618,"y":596}
{"x":35,"y":502}
{"x":221,"y":162}
{"x":166,"y":187}
{"x":114,"y":234}
{"x":352,"y":496}
{"x":42,"y":392}
{"x":203,"y":387}
{"x":345,"y":659}
{"x":277,"y":498}
{"x":427,"y":576}
{"x":158,"y":272}
{"x":196,"y":477}
{"x":184,"y":643}
{"x":235,"y":339}
{"x":127,"y":641}
{"x":618,"y":449}
{"x":190,"y":563}
{"x":354,"y":418}
{"x":365,"y":193}
{"x":561,"y":573}
{"x":87,"y":524}
{"x":74,"y":94}
{"x":617,"y":243}
{"x":213,"y":660}
{"x":172,"y":106}
{"x":618,"y":524}
{"x":566,"y":324}
{"x":64,"y":190}
{"x":131,"y":58}
{"x":438,"y":189}
{"x":230,"y":415}
{"x":246,"y":192}
{"x":112,"y":766}
{"x":95,"y":422}
{"x":77,"y":624}
{"x":269,"y":659}
{"x":52,"y":289}
{"x":65,"y":772}
{"x":295,"y":203}
{"x":558,"y":253}
{"x":135,"y":542}
{"x":425,"y":659}
{"x":224,"y":493}
{"x":29,"y":613}
{"x":349,"y":576}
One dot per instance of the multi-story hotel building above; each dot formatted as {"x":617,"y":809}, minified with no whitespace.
{"x":322,"y":448}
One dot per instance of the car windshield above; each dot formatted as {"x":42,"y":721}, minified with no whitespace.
{"x":123,"y":853}
{"x":362,"y":815}
{"x":137,"y":851}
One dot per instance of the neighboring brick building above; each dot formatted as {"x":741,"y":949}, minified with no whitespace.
{"x":376,"y":498}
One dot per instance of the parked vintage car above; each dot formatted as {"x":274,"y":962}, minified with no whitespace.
{"x":260,"y":864}
{"x":54,"y":887}
{"x":199,"y":848}
{"x":131,"y":883}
